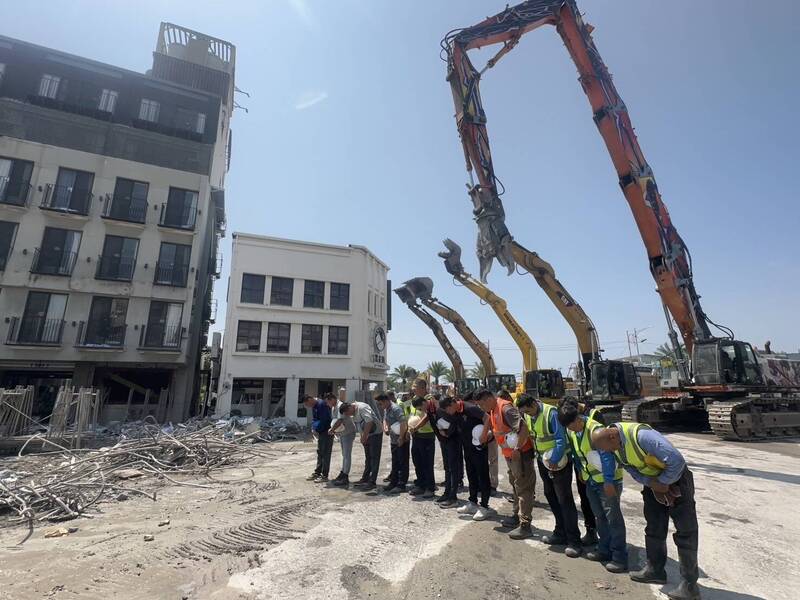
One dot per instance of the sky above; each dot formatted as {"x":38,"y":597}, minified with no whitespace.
{"x":349,"y":137}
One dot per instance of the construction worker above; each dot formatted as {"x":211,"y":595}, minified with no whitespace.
{"x":320,"y":426}
{"x":513,"y":438}
{"x":668,"y":492}
{"x":552,"y":448}
{"x":603,"y":485}
{"x":452,"y":450}
{"x":371,"y":431}
{"x":423,"y":442}
{"x":470,"y":419}
{"x":395,"y":425}
{"x":342,"y":427}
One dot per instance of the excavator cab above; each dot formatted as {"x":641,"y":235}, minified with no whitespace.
{"x":725,"y":362}
{"x":545,"y":384}
{"x":614,"y":380}
{"x":497,"y":383}
{"x":469,"y":384}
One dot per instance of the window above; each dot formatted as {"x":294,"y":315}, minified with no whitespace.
{"x":48,"y":86}
{"x":278,"y":337}
{"x":369,"y":303}
{"x":337,"y":340}
{"x":106,"y":324}
{"x":282,"y":291}
{"x":277,"y":398}
{"x":43,"y":319}
{"x":72,"y":192}
{"x":129,"y":202}
{"x":201,"y":123}
{"x":7,"y":232}
{"x":108,"y":101}
{"x":148,"y":110}
{"x":15,"y":180}
{"x":164,"y":325}
{"x":58,"y":252}
{"x":180,"y":210}
{"x":247,"y":391}
{"x":314,"y":294}
{"x":190,"y":120}
{"x":253,"y":288}
{"x":248,"y":337}
{"x":173,"y":264}
{"x":340,"y":296}
{"x":118,"y":259}
{"x":2,"y":72}
{"x":311,"y":339}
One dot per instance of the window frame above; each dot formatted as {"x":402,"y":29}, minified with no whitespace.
{"x":10,"y":239}
{"x":253,"y":334}
{"x":310,"y":294}
{"x":279,"y":297}
{"x":334,"y":345}
{"x":308,"y":336}
{"x":108,"y":100}
{"x":186,"y":265}
{"x":52,"y":85}
{"x":279,"y":335}
{"x":243,"y":287}
{"x":146,"y":108}
{"x":339,"y":297}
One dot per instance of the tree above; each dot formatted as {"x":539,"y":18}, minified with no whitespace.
{"x":478,"y":371}
{"x":666,"y":355}
{"x":392,"y":383}
{"x":437,"y":369}
{"x":403,"y":373}
{"x":448,"y":375}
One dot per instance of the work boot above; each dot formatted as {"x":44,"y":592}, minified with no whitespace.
{"x":339,"y":476}
{"x":362,"y":481}
{"x":597,"y":556}
{"x":313,"y":476}
{"x":428,"y":494}
{"x":522,"y":532}
{"x":554,"y":540}
{"x":649,"y":575}
{"x":685,"y":591}
{"x":443,"y":498}
{"x":344,"y":481}
{"x":366,"y":487}
{"x":573,"y":551}
{"x":448,"y":503}
{"x":416,"y":491}
{"x":615,"y":567}
{"x":590,"y":539}
{"x":398,"y":489}
{"x":511,"y":522}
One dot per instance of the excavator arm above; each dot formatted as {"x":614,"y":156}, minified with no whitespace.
{"x":439,"y":334}
{"x":669,"y":258}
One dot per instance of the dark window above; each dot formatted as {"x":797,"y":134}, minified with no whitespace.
{"x":48,"y":86}
{"x":314,"y":295}
{"x":180,"y":210}
{"x":129,"y":202}
{"x":71,"y":193}
{"x":106,"y":324}
{"x":340,"y":296}
{"x":337,"y":340}
{"x":164,"y":325}
{"x":58,"y":253}
{"x":43,"y":319}
{"x":278,"y":337}
{"x":277,"y":392}
{"x":248,"y":337}
{"x":190,"y":120}
{"x":311,"y":339}
{"x":253,"y":288}
{"x":282,"y":288}
{"x":173,"y":264}
{"x":15,"y":181}
{"x":118,"y":259}
{"x":7,"y":231}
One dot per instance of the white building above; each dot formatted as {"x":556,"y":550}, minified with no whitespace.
{"x":302,"y":317}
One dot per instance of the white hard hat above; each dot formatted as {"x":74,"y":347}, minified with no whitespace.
{"x":511,"y":440}
{"x":477,"y":432}
{"x":395,"y":428}
{"x":561,"y":464}
{"x":414,"y":420}
{"x":443,"y":423}
{"x":594,"y":459}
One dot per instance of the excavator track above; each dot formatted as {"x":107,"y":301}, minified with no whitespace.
{"x":755,"y":418}
{"x":611,"y":413}
{"x":644,"y":410}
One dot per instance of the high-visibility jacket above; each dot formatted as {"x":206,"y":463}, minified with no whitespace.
{"x":420,"y":412}
{"x":581,"y":449}
{"x":500,"y":429}
{"x":406,"y":406}
{"x":631,"y":453}
{"x":543,"y":438}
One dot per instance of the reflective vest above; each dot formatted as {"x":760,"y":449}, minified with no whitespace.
{"x":631,"y":453}
{"x":582,"y":448}
{"x":427,"y":428}
{"x":406,"y":406}
{"x":543,"y":438}
{"x":500,"y":429}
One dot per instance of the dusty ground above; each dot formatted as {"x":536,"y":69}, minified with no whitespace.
{"x":278,"y":536}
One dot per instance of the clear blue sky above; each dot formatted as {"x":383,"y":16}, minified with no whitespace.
{"x":350,"y":139}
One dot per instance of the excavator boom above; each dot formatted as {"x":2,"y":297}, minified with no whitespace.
{"x":441,"y":337}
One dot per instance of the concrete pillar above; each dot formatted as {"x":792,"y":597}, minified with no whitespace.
{"x":353,"y":386}
{"x":292,"y":391}
{"x":224,"y":393}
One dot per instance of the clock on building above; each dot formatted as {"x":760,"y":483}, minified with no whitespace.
{"x":380,"y":339}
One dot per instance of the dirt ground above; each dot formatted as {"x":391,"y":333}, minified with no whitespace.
{"x":275,"y":535}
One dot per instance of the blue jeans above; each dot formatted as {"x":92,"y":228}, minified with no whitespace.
{"x":610,"y":522}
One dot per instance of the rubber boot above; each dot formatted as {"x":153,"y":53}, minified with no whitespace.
{"x":688,"y":588}
{"x":649,"y":575}
{"x":685,"y":591}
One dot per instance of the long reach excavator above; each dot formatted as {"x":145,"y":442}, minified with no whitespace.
{"x":747,"y":395}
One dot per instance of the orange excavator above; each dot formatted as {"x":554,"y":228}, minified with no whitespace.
{"x":747,"y":395}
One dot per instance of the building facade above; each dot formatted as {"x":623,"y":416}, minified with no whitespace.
{"x":111,"y":211}
{"x":301,"y":318}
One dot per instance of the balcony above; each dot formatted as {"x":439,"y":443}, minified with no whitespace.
{"x":115,"y":268}
{"x":167,"y":338}
{"x":78,"y":109}
{"x":100,"y":337}
{"x":184,"y":218}
{"x":186,"y":134}
{"x":14,"y":192}
{"x":53,"y":262}
{"x":125,"y":208}
{"x":169,"y":274}
{"x":66,"y":199}
{"x":35,"y":331}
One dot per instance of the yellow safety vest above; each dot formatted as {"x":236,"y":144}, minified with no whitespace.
{"x":406,"y":406}
{"x":632,"y":455}
{"x":427,"y":428}
{"x":582,"y":448}
{"x":543,"y":438}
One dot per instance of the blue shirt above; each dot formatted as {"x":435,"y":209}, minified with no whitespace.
{"x":560,"y":435}
{"x":656,"y":444}
{"x":320,"y":417}
{"x":607,"y":459}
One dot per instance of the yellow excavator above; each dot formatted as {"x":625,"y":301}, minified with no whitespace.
{"x":420,"y":290}
{"x":547,"y":384}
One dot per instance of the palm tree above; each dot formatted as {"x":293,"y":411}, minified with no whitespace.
{"x":666,"y":355}
{"x":403,"y":373}
{"x":478,"y":371}
{"x":392,"y":382}
{"x":448,"y":375}
{"x":437,"y":369}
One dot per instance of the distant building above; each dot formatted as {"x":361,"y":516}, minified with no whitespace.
{"x":302,"y":317}
{"x":111,"y":209}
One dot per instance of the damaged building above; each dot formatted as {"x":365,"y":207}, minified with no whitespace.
{"x":111,"y":212}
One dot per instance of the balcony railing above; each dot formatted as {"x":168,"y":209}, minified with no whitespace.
{"x":115,"y":268}
{"x":185,"y":218}
{"x":35,"y":331}
{"x":65,"y":198}
{"x":174,"y":275}
{"x":103,"y":336}
{"x":53,"y":262}
{"x":161,"y":337}
{"x":186,"y":134}
{"x":125,"y":208}
{"x":14,"y":191}
{"x":78,"y":109}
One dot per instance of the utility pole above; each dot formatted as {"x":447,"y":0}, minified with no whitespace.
{"x":628,"y":337}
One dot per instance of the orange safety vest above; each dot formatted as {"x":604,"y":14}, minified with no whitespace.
{"x":500,"y":428}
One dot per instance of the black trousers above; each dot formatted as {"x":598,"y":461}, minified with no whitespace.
{"x":372,"y":458}
{"x":558,"y":491}
{"x":423,"y":452}
{"x":684,"y":516}
{"x":453,"y":462}
{"x":476,"y":461}
{"x":398,"y":477}
{"x":586,"y":508}
{"x":324,"y":450}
